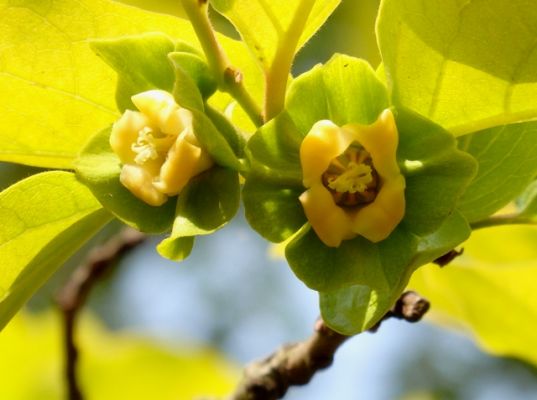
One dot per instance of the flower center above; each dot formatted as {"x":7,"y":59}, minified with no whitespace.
{"x":351,"y":177}
{"x":148,"y":146}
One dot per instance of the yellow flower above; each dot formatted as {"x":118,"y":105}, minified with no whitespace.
{"x":353,"y":180}
{"x":157,"y":147}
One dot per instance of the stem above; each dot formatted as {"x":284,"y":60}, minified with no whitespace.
{"x":229,"y":78}
{"x":508,"y":219}
{"x":278,"y":73}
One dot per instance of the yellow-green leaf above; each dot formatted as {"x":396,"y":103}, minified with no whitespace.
{"x":112,"y":366}
{"x":55,"y":92}
{"x":466,"y":64}
{"x":45,"y":219}
{"x":266,"y":25}
{"x":489,"y":291}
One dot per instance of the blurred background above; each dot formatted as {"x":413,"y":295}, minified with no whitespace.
{"x":157,"y":329}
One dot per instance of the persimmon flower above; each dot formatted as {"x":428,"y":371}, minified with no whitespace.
{"x":354,"y":183}
{"x":157,"y":147}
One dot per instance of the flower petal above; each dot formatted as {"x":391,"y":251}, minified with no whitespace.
{"x":330,"y":222}
{"x":140,"y":182}
{"x":380,"y":139}
{"x":159,"y":106}
{"x":377,"y":220}
{"x":125,"y":133}
{"x":185,"y":160}
{"x":324,"y":142}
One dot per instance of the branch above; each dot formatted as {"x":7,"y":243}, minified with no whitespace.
{"x":228,"y":77}
{"x":72,"y":297}
{"x":297,"y":363}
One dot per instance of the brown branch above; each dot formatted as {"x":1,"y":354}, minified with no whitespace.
{"x":74,"y":293}
{"x":297,"y":363}
{"x":444,"y":260}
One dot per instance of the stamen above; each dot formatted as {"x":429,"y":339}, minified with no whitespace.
{"x":351,"y":177}
{"x":354,"y":179}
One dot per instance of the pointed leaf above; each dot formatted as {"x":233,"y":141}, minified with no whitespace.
{"x":467,"y":65}
{"x":264,"y":25}
{"x":195,"y":67}
{"x":507,"y":157}
{"x":45,"y":219}
{"x":141,"y":64}
{"x":208,"y":202}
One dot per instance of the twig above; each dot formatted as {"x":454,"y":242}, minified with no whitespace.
{"x":444,"y":260}
{"x":297,"y":363}
{"x":74,"y":293}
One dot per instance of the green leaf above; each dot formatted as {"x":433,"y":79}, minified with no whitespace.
{"x":45,"y":219}
{"x":436,"y":172}
{"x":507,"y":157}
{"x":356,"y":261}
{"x":141,"y":64}
{"x":56,"y":93}
{"x":451,"y":233}
{"x":273,"y":151}
{"x":528,"y":201}
{"x":356,"y":308}
{"x":195,"y":67}
{"x":267,"y":25}
{"x":343,"y":90}
{"x":467,"y":65}
{"x":98,"y":168}
{"x":273,"y":210}
{"x":235,"y":140}
{"x":207,"y":203}
{"x":489,"y":291}
{"x":176,"y":248}
{"x":214,"y":141}
{"x":185,"y":90}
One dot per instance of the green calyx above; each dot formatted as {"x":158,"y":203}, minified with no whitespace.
{"x":346,"y":90}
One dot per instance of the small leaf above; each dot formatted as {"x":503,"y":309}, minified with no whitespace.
{"x":356,"y":261}
{"x":451,"y":234}
{"x":354,"y":309}
{"x":196,"y":68}
{"x":436,"y":172}
{"x":273,"y":151}
{"x":266,"y":25}
{"x":466,"y":65}
{"x":141,"y":64}
{"x":507,"y":157}
{"x":489,"y":291}
{"x":98,"y":168}
{"x":273,"y":210}
{"x":343,"y":90}
{"x":208,"y":202}
{"x":176,"y":248}
{"x":214,"y":141}
{"x":235,"y":140}
{"x":45,"y":219}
